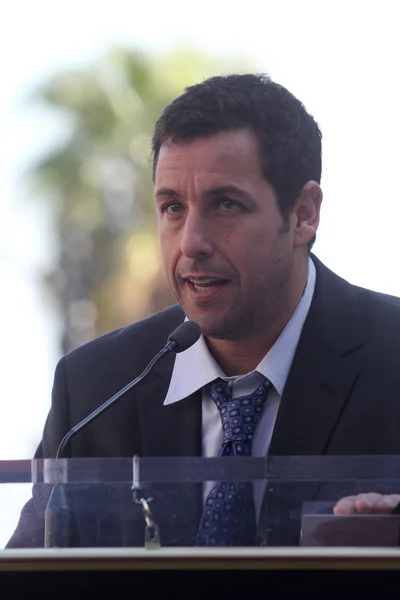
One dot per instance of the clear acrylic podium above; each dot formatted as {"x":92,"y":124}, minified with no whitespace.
{"x":104,"y":524}
{"x":156,"y":503}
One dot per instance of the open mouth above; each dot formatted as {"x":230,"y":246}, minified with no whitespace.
{"x":205,"y":284}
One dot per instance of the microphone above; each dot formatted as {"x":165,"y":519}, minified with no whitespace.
{"x":184,"y":336}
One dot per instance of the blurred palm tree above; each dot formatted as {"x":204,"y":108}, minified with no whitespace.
{"x":99,"y":185}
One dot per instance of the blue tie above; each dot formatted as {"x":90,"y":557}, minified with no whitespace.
{"x":229,"y":517}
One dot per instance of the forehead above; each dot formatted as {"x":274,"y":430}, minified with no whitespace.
{"x":227,"y":153}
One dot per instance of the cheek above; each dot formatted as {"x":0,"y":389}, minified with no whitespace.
{"x":169,"y":252}
{"x":249,"y":249}
{"x":254,"y":257}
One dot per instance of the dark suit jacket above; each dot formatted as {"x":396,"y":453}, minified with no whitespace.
{"x":342,"y":395}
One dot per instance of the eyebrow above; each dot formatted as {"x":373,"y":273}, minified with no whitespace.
{"x":166,"y":192}
{"x":227,"y":189}
{"x":224,"y":189}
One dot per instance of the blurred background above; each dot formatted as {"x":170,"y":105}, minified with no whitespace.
{"x":82,"y":84}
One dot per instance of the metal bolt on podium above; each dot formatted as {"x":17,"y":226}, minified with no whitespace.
{"x":151,"y":533}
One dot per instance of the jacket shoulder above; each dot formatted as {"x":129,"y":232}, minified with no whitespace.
{"x":379,"y":299}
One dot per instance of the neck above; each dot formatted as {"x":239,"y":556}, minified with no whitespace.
{"x":239,"y":357}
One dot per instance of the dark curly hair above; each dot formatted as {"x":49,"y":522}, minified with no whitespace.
{"x":288,"y":136}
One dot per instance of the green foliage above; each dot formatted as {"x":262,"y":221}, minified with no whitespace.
{"x":99,"y":183}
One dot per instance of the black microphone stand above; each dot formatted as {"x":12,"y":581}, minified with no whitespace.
{"x":169,"y":347}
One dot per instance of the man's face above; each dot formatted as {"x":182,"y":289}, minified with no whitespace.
{"x":229,"y":255}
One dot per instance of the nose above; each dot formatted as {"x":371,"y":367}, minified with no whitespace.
{"x":196,"y":240}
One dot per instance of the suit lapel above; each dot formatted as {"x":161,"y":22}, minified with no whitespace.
{"x":322,"y":374}
{"x":315,"y":394}
{"x":173,"y":430}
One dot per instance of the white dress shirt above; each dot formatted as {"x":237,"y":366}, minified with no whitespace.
{"x":195,"y":367}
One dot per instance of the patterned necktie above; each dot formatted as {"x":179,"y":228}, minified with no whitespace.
{"x":229,"y":517}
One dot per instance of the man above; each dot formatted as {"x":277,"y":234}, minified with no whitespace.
{"x":237,"y":168}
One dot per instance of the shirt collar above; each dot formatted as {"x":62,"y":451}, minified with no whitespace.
{"x":195,"y":367}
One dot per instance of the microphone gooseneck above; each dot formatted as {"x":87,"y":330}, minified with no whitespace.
{"x":184,"y":336}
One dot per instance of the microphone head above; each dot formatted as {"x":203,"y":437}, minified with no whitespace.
{"x":184,"y":336}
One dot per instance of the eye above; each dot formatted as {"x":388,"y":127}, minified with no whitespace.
{"x":171,"y":207}
{"x":228,"y":204}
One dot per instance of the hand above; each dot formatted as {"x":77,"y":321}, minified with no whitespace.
{"x":371,"y":503}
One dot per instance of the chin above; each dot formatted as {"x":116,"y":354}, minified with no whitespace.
{"x":217,"y":331}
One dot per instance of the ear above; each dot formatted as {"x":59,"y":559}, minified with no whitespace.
{"x":306,"y":213}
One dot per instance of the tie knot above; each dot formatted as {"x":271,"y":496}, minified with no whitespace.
{"x":239,"y":416}
{"x":221,"y":392}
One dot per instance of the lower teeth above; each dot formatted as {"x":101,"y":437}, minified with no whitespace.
{"x":200,"y":288}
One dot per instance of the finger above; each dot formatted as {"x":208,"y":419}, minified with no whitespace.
{"x":366,"y":505}
{"x":376,"y":503}
{"x":388,"y":503}
{"x":345,"y":506}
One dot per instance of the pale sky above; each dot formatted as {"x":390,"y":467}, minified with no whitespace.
{"x":339,"y":57}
